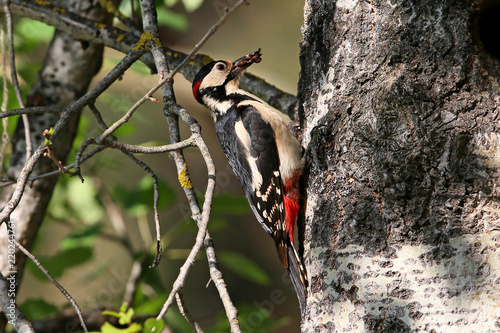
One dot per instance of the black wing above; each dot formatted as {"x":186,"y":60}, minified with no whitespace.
{"x":255,"y":161}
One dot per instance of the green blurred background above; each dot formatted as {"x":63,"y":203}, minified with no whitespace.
{"x":77,"y":242}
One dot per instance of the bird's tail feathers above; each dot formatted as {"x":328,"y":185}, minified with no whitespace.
{"x":298,"y":276}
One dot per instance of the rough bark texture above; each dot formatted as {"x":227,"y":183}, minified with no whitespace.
{"x":68,"y":68}
{"x":398,"y":104}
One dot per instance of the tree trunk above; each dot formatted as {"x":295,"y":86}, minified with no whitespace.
{"x":68,"y":68}
{"x":398,"y":105}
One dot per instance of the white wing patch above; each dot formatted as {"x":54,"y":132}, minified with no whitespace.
{"x":244,"y":138}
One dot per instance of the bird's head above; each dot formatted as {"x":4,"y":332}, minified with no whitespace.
{"x":219,"y":78}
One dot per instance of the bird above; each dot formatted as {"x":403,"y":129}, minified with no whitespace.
{"x":264,"y":155}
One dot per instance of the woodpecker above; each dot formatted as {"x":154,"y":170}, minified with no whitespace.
{"x":264,"y":155}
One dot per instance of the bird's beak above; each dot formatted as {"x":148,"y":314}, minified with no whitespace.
{"x":239,"y":65}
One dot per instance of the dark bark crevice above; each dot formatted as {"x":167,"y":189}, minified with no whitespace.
{"x":400,"y":116}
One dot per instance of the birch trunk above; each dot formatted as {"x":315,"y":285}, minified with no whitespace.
{"x":398,"y":105}
{"x":68,"y":69}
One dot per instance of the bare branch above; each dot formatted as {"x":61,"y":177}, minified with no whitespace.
{"x":189,"y":142}
{"x":172,"y":111}
{"x":55,"y":283}
{"x":185,"y":268}
{"x":15,"y":81}
{"x":7,"y":182}
{"x":32,"y":110}
{"x":123,"y":41}
{"x":133,"y":279}
{"x":215,"y":273}
{"x":50,"y":153}
{"x":143,"y":165}
{"x":5,"y":96}
{"x":88,"y":98}
{"x":184,"y":311}
{"x":210,"y":33}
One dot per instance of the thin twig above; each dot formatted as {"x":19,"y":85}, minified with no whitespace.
{"x":88,"y":98}
{"x":133,"y":279}
{"x":15,"y":81}
{"x":172,"y":110}
{"x":185,"y":268}
{"x":171,"y":74}
{"x":5,"y":96}
{"x":211,"y":31}
{"x":32,"y":110}
{"x":156,"y":192}
{"x":189,"y":142}
{"x":184,"y":311}
{"x":50,"y":153}
{"x":156,"y":198}
{"x":7,"y":182}
{"x":113,"y":10}
{"x":215,"y":273}
{"x":55,"y":283}
{"x":85,"y":29}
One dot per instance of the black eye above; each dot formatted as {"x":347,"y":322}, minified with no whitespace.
{"x":220,"y":66}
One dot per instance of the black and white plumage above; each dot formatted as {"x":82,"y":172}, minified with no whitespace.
{"x":264,"y":155}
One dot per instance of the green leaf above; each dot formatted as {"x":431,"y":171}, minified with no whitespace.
{"x":141,"y":68}
{"x":83,"y":237}
{"x":76,"y":202}
{"x":123,"y":307}
{"x":152,"y":325}
{"x":170,"y":3}
{"x":192,"y":5}
{"x":36,"y":309}
{"x":230,"y":204}
{"x":111,"y":313}
{"x":151,"y":306}
{"x":126,"y":317}
{"x":244,"y":267}
{"x":82,"y":198}
{"x":125,"y":130}
{"x":177,"y":322}
{"x":171,"y":19}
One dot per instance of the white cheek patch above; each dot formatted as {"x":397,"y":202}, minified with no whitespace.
{"x":217,"y":107}
{"x":215,"y":78}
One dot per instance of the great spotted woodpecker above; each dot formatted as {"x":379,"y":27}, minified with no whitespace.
{"x":264,"y":155}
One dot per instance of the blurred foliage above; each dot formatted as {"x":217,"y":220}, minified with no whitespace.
{"x":252,"y":319}
{"x":29,"y":37}
{"x":190,"y":5}
{"x":243,"y":266}
{"x":226,"y":203}
{"x":35,"y":308}
{"x":80,"y":206}
{"x":61,"y":261}
{"x":166,"y":16}
{"x":76,"y":202}
{"x":138,"y":200}
{"x":125,"y":318}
